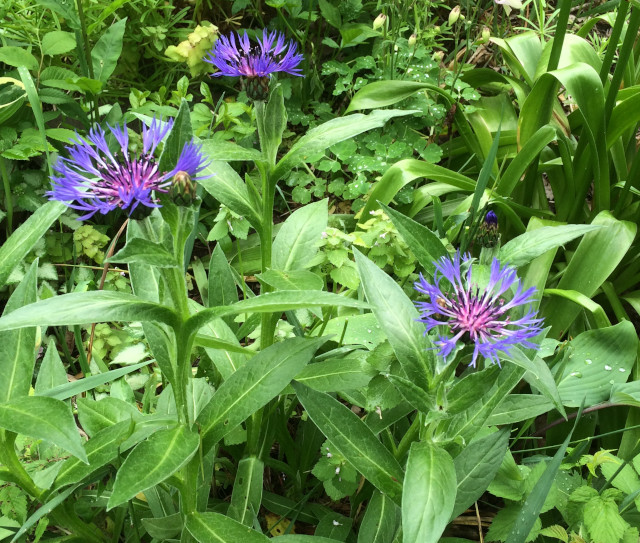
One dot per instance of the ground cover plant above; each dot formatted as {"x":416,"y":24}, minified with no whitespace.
{"x":332,"y":271}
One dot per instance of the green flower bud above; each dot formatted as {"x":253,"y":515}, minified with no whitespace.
{"x":454,"y":15}
{"x":486,"y":34}
{"x":412,"y":40}
{"x":379,"y":21}
{"x":183,"y":189}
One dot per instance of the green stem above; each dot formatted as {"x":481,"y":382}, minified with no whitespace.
{"x":412,"y":434}
{"x":6,"y":184}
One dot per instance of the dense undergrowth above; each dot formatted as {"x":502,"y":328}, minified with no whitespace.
{"x":319,"y":270}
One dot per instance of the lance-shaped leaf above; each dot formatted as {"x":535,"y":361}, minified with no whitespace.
{"x":152,"y":461}
{"x":87,"y":307}
{"x":398,"y":318}
{"x":252,"y":385}
{"x":354,"y":440}
{"x":142,"y":251}
{"x":17,"y":347}
{"x":380,"y":520}
{"x":428,"y":494}
{"x":43,"y":418}
{"x":385,"y":93}
{"x":217,"y":528}
{"x":272,"y":302}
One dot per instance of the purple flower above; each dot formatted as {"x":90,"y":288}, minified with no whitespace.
{"x":96,"y":179}
{"x":241,"y":58}
{"x":475,"y":315}
{"x":491,"y":219}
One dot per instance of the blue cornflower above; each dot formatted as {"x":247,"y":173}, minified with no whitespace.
{"x":472,"y":314}
{"x":95,"y":179}
{"x":241,"y":58}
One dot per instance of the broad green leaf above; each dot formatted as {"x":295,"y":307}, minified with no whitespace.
{"x":43,"y":418}
{"x":58,"y":42}
{"x":16,"y":56}
{"x":386,"y":93}
{"x":228,"y":151}
{"x":199,"y":392}
{"x":519,"y":407}
{"x":428,"y":494}
{"x":353,"y":439}
{"x":404,"y":172}
{"x":524,"y":248}
{"x":226,"y":186}
{"x":271,"y":302}
{"x":95,"y":416}
{"x":476,"y":466}
{"x":164,"y":528}
{"x":398,"y":317}
{"x":51,"y":373}
{"x":327,"y":134}
{"x":336,"y":374}
{"x":466,"y":391}
{"x":413,"y":394}
{"x":291,"y":280}
{"x":17,"y":347}
{"x":222,"y":347}
{"x":152,"y":461}
{"x":530,"y":510}
{"x":145,"y":279}
{"x":297,"y":240}
{"x":101,"y":449}
{"x":597,"y":255}
{"x":600,"y":318}
{"x":25,"y":237}
{"x":271,"y":119}
{"x":217,"y":528}
{"x":301,"y":538}
{"x":252,"y":385}
{"x":85,"y":308}
{"x":142,"y":251}
{"x":107,"y":50}
{"x":423,"y":242}
{"x":247,"y":490}
{"x":599,"y":359}
{"x":380,"y":520}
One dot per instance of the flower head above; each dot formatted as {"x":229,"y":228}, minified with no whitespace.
{"x":474,"y":314}
{"x":235,"y":56}
{"x":96,"y":179}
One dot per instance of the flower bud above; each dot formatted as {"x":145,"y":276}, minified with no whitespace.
{"x":486,"y":34}
{"x":379,"y":21}
{"x":183,"y":189}
{"x":454,"y":15}
{"x":438,"y":56}
{"x":412,"y":40}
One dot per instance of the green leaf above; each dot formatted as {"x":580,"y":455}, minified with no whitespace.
{"x":181,"y":134}
{"x":380,"y":520}
{"x":597,"y":255}
{"x":327,"y":134}
{"x":599,"y":359}
{"x":101,"y":449}
{"x":476,"y":466}
{"x":274,"y":123}
{"x":291,"y":280}
{"x":428,"y":494}
{"x":87,"y":307}
{"x":153,"y":461}
{"x":17,"y":347}
{"x":530,"y":510}
{"x":271,"y":302}
{"x":164,"y":528}
{"x":142,"y":251}
{"x":95,"y":416}
{"x":228,"y":151}
{"x":247,"y":491}
{"x":385,"y":93}
{"x":16,"y":56}
{"x":106,"y":52}
{"x":398,"y":317}
{"x":336,"y":374}
{"x":52,"y":372}
{"x":58,"y":42}
{"x":413,"y":394}
{"x":252,"y":385}
{"x":603,"y":521}
{"x":77,"y":387}
{"x":226,"y":186}
{"x":43,"y":418}
{"x":297,"y":240}
{"x":425,"y":245}
{"x":524,"y":248}
{"x":222,"y":347}
{"x":217,"y":528}
{"x":222,"y":287}
{"x":353,"y":439}
{"x":519,"y":407}
{"x":26,"y":236}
